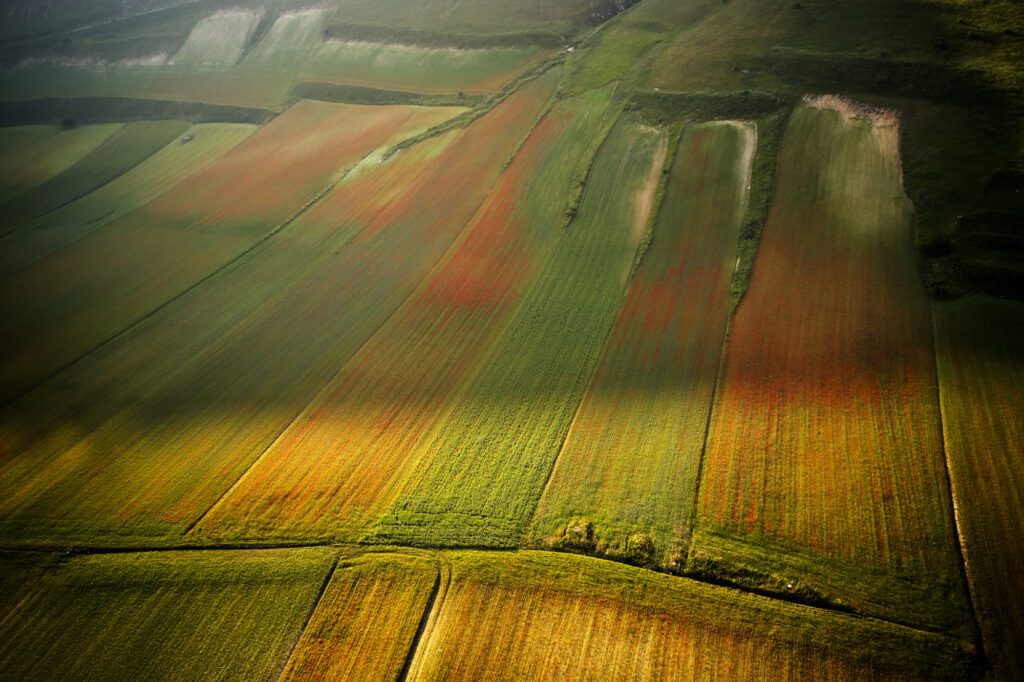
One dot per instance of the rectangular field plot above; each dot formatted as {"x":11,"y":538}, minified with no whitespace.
{"x":145,"y":435}
{"x":218,"y":40}
{"x":537,"y":615}
{"x":65,"y":305}
{"x":137,"y":186}
{"x":365,"y":625}
{"x":629,"y":464}
{"x":491,"y":451}
{"x":824,"y":475}
{"x":980,"y":344}
{"x":165,"y":615}
{"x":375,"y":415}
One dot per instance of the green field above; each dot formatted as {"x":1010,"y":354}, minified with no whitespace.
{"x":624,"y":481}
{"x":163,"y":615}
{"x":511,"y":339}
{"x":137,"y":186}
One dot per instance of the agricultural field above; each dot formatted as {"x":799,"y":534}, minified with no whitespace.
{"x":132,"y":189}
{"x":496,"y":444}
{"x":34,"y":154}
{"x":161,"y":363}
{"x":164,"y":614}
{"x":125,"y":148}
{"x":378,"y":411}
{"x":628,"y":468}
{"x":365,"y":624}
{"x":537,"y":615}
{"x":829,"y":375}
{"x":205,"y":222}
{"x":511,"y":339}
{"x":981,"y":383}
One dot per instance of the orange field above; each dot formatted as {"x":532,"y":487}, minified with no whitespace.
{"x":824,"y":472}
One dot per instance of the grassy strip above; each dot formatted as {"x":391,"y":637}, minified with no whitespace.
{"x":585,"y":165}
{"x":80,"y":110}
{"x":661,"y":107}
{"x":355,"y":94}
{"x":419,"y":38}
{"x":762,"y":187}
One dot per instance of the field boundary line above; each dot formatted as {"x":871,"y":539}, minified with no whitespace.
{"x":721,"y":354}
{"x":309,"y":616}
{"x":184,"y":293}
{"x":963,"y":563}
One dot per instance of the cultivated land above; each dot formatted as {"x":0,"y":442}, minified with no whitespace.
{"x":823,"y":469}
{"x":981,"y":382}
{"x":339,"y":334}
{"x":624,"y":481}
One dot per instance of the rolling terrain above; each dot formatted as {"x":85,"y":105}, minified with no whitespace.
{"x":480,"y":339}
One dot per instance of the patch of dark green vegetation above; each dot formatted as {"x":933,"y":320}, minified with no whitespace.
{"x":355,"y":94}
{"x":71,"y":111}
{"x":661,"y":108}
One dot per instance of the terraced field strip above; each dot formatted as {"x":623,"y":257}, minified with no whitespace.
{"x":367,"y":620}
{"x":64,"y":306}
{"x":35,"y":153}
{"x":218,"y":40}
{"x":340,"y":465}
{"x":980,"y":346}
{"x":417,"y":69}
{"x":490,"y":454}
{"x":127,"y":147}
{"x":188,"y":615}
{"x":824,"y":475}
{"x":143,"y":183}
{"x":541,"y":615}
{"x":626,"y":475}
{"x":180,"y":407}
